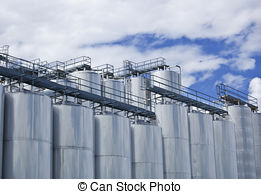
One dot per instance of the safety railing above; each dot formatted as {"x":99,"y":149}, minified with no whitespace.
{"x":25,"y":66}
{"x":78,"y":62}
{"x":131,"y":68}
{"x":185,"y":91}
{"x":225,"y":90}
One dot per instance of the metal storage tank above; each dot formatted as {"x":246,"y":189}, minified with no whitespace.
{"x":112,"y":147}
{"x":173,"y":120}
{"x":28,"y":136}
{"x":114,"y":89}
{"x":138,"y":90}
{"x":257,"y":141}
{"x":147,"y":151}
{"x":73,"y":127}
{"x":167,"y":79}
{"x":2,"y":95}
{"x":89,"y":81}
{"x":242,"y":118}
{"x":202,"y":146}
{"x":225,"y":149}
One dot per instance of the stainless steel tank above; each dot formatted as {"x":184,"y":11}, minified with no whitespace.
{"x":257,"y":141}
{"x":139,"y":95}
{"x":147,"y":151}
{"x":225,"y":149}
{"x":167,"y":79}
{"x":202,"y":146}
{"x":2,"y":95}
{"x":88,"y":81}
{"x":28,"y":136}
{"x":114,"y":89}
{"x":112,"y":147}
{"x":73,"y":127}
{"x":173,"y":120}
{"x":242,"y":118}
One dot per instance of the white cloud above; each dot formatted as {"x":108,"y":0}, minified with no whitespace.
{"x":255,"y":90}
{"x":235,"y":81}
{"x":55,"y":30}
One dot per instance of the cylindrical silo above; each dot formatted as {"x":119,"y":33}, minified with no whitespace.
{"x":225,"y":149}
{"x":167,"y":79}
{"x":28,"y":136}
{"x":202,"y":146}
{"x":114,"y":89}
{"x":88,"y":81}
{"x":112,"y":147}
{"x":257,"y":141}
{"x":73,"y":127}
{"x":173,"y":120}
{"x":139,"y":95}
{"x":147,"y":151}
{"x":2,"y":95}
{"x":242,"y":118}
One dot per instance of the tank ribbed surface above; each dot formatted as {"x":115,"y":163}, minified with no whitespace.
{"x":112,"y":147}
{"x":2,"y":95}
{"x":147,"y":152}
{"x":202,"y":146}
{"x":89,"y":81}
{"x":28,"y":136}
{"x":225,"y":149}
{"x":114,"y":89}
{"x":242,"y":117}
{"x":173,"y":120}
{"x":257,"y":141}
{"x":73,"y":142}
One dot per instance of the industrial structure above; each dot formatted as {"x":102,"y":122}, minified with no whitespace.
{"x":71,"y":120}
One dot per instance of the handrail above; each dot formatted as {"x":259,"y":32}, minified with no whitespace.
{"x":16,"y":63}
{"x":184,"y":91}
{"x":225,"y":90}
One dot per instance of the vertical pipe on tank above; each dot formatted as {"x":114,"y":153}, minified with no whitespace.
{"x":147,"y":151}
{"x":112,"y":147}
{"x":2,"y":95}
{"x":202,"y":146}
{"x":242,"y":118}
{"x":28,"y":136}
{"x":225,"y":149}
{"x":173,"y":120}
{"x":257,"y":141}
{"x":73,"y":142}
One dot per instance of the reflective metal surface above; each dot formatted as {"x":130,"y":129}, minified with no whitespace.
{"x":257,"y":141}
{"x":138,"y":90}
{"x":2,"y":95}
{"x":173,"y":120}
{"x":225,"y":149}
{"x":112,"y":147}
{"x":28,"y":136}
{"x":114,"y":89}
{"x":242,"y":118}
{"x":202,"y":146}
{"x":89,"y":81}
{"x":147,"y":151}
{"x":73,"y":127}
{"x":169,"y":80}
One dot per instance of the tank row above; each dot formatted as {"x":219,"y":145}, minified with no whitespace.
{"x":40,"y":139}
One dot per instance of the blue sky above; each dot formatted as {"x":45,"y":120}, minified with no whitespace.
{"x":214,"y":41}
